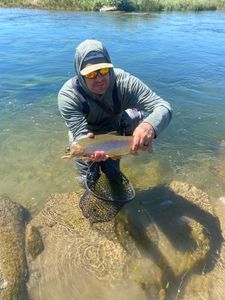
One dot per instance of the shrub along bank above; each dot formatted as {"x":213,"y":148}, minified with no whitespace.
{"x":124,"y":5}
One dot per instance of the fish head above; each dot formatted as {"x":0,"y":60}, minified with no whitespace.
{"x":73,"y":150}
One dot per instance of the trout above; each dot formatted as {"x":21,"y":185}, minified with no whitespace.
{"x":113,"y":145}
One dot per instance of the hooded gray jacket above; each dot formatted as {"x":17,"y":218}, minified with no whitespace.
{"x":131,"y":92}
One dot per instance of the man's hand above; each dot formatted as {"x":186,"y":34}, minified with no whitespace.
{"x":143,"y":137}
{"x":97,"y":156}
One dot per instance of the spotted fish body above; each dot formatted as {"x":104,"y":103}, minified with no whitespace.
{"x":112,"y":145}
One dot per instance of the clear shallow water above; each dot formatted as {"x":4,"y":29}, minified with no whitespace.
{"x":179,"y":55}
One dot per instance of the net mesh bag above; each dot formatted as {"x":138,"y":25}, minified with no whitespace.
{"x":114,"y":188}
{"x":105,"y":196}
{"x":98,"y":210}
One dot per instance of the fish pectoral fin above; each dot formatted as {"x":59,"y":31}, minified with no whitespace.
{"x":66,"y":156}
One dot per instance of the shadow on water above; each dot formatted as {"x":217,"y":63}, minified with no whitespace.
{"x":172,"y":217}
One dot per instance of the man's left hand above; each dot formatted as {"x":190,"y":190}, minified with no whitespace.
{"x":143,"y":137}
{"x":97,"y":156}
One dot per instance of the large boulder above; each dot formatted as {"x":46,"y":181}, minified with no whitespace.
{"x":13,"y":265}
{"x":207,"y":282}
{"x":164,"y":244}
{"x":86,"y":259}
{"x":134,"y":255}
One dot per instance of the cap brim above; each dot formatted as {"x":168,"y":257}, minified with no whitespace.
{"x":95,"y":67}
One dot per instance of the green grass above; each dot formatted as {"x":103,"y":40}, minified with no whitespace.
{"x":127,"y":5}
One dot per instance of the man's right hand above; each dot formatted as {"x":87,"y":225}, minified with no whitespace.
{"x":143,"y":137}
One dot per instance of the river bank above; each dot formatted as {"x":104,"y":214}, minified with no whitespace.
{"x":125,"y":5}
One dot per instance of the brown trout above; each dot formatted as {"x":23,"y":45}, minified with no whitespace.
{"x":113,"y":145}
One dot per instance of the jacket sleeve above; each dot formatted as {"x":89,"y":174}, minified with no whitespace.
{"x":136,"y":94}
{"x":71,"y":110}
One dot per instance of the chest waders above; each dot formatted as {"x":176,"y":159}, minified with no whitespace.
{"x":102,"y":186}
{"x":109,"y":167}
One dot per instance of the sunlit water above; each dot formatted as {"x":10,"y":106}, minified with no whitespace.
{"x":179,"y":55}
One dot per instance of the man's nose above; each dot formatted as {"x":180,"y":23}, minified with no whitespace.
{"x":99,"y":77}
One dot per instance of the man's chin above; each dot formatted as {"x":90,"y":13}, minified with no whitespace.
{"x":100,"y":91}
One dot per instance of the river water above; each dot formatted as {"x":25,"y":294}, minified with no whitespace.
{"x":179,"y":55}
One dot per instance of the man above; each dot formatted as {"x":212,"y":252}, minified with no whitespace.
{"x":102,"y":99}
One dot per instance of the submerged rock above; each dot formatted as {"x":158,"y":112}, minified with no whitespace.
{"x":220,"y":212}
{"x":152,"y":249}
{"x":151,"y":244}
{"x":13,"y":265}
{"x":208,"y":280}
{"x":76,"y":251}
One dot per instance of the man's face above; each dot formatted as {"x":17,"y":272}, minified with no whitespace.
{"x":98,"y":85}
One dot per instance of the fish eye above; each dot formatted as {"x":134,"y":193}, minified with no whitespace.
{"x":67,"y":149}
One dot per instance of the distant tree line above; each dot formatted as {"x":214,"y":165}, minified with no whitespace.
{"x":123,"y":5}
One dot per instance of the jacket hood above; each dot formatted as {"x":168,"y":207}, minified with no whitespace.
{"x":82,"y":51}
